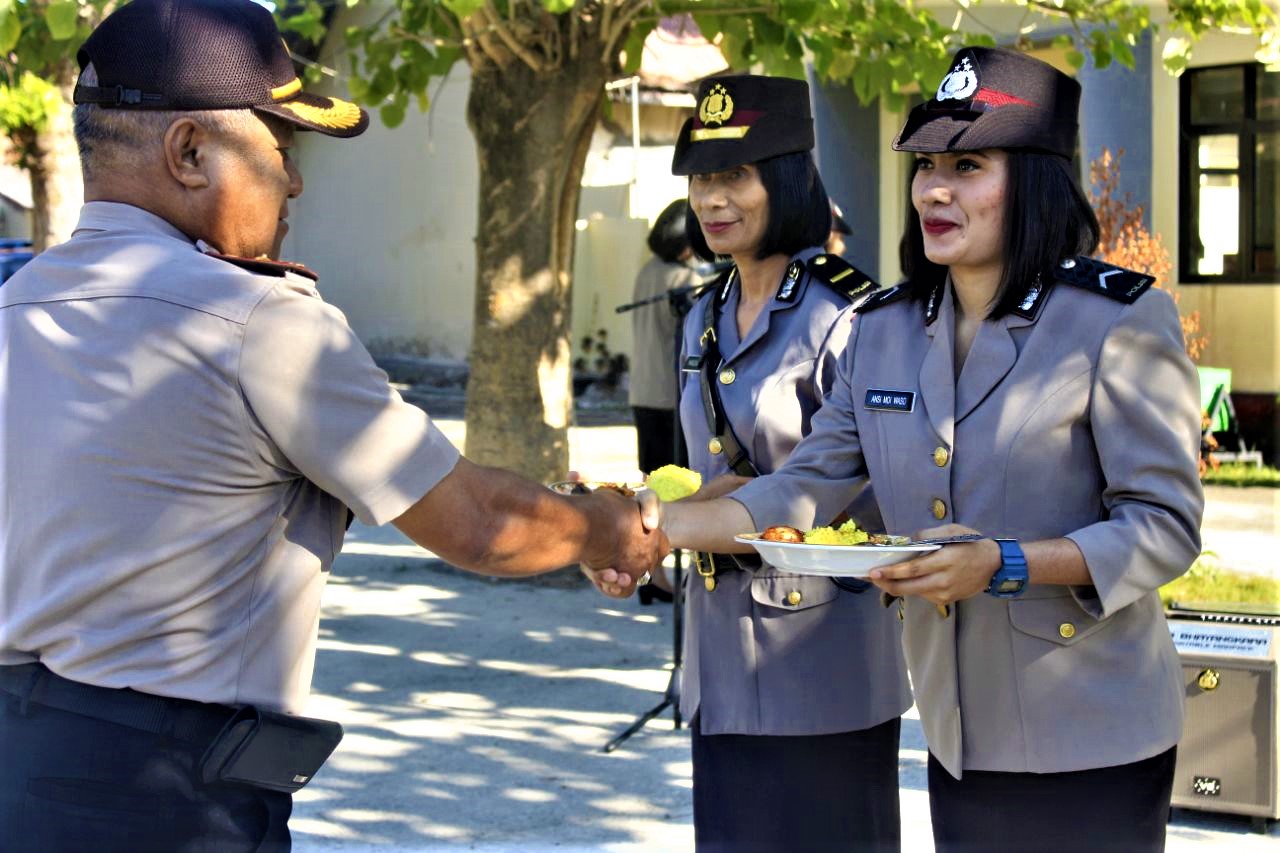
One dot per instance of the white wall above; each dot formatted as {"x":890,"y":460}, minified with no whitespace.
{"x":388,"y":219}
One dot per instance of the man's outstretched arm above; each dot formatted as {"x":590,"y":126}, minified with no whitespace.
{"x":495,"y":522}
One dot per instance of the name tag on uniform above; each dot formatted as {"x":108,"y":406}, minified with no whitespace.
{"x":890,"y":401}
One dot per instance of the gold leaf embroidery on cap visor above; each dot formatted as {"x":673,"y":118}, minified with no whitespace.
{"x":288,"y":90}
{"x":342,"y":114}
{"x":717,"y":133}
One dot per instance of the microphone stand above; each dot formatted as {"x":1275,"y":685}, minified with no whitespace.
{"x":681,"y":300}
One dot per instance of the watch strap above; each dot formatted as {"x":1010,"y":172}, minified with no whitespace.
{"x":1011,"y":578}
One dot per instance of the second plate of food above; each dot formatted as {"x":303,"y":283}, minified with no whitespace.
{"x":845,"y":561}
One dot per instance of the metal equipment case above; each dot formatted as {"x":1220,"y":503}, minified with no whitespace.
{"x":1229,"y":757}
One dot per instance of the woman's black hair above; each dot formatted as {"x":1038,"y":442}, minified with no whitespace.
{"x":667,"y":238}
{"x":799,"y":210}
{"x":1047,"y":218}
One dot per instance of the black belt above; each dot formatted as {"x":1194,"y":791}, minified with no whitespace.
{"x":181,"y":719}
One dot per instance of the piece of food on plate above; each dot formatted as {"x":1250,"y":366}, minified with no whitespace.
{"x":782,"y":533}
{"x":846,"y":534}
{"x":671,"y":482}
{"x":888,"y":539}
{"x":620,"y":488}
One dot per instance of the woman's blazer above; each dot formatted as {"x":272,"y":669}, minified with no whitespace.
{"x":768,"y":652}
{"x":1076,"y":416}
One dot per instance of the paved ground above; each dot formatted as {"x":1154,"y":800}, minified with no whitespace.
{"x":475,"y":710}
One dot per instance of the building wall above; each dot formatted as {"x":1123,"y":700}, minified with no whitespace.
{"x":1115,"y":114}
{"x":1240,"y":320}
{"x":848,"y":155}
{"x":388,"y":219}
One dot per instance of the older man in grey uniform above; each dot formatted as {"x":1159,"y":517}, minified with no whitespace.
{"x":187,"y":429}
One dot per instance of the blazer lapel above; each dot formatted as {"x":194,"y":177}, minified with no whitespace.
{"x":937,"y":380}
{"x":991,"y":357}
{"x":760,"y":327}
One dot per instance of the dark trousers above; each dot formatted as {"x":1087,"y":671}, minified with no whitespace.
{"x":654,"y":437}
{"x":1122,"y":809}
{"x":73,"y":783}
{"x":795,"y":794}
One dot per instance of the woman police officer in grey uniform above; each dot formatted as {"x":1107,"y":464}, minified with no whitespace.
{"x":1013,"y":387}
{"x":794,"y":685}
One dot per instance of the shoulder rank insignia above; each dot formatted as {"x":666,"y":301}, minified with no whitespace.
{"x":1031,"y":300}
{"x":724,"y":285}
{"x":262,"y":266}
{"x":841,"y":276}
{"x":787,"y":290}
{"x":899,"y":292}
{"x":1115,"y":282}
{"x":881,"y":298}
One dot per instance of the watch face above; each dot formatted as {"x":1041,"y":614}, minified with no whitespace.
{"x":1010,"y":585}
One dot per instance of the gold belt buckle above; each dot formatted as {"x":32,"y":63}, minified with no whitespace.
{"x":706,"y":569}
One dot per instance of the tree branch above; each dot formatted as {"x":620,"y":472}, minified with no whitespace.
{"x":606,"y":13}
{"x":482,"y":44}
{"x":630,"y":11}
{"x":574,"y":16}
{"x":968,"y":10}
{"x":450,"y":22}
{"x":510,"y":41}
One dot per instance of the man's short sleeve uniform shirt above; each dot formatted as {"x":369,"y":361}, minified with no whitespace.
{"x":182,"y":440}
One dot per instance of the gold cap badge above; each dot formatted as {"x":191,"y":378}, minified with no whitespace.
{"x":716,"y":107}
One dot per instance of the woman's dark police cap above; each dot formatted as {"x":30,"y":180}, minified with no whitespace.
{"x":743,"y":118}
{"x":204,"y":55}
{"x":996,"y":98}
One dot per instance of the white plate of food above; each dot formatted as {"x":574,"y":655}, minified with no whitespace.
{"x":832,"y":555}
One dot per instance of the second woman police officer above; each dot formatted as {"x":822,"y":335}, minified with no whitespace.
{"x":795,"y":685}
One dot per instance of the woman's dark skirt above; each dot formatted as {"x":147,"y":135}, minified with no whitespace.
{"x":794,"y":794}
{"x":1122,"y":808}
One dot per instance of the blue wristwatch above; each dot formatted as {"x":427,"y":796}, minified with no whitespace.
{"x":1011,"y":578}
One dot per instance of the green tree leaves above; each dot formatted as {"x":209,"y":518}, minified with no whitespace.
{"x":61,"y":19}
{"x":879,"y":48}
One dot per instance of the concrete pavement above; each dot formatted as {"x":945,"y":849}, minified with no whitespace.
{"x":475,"y":711}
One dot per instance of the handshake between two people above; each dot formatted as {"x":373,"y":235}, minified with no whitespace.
{"x":660,"y":513}
{"x":704,"y":521}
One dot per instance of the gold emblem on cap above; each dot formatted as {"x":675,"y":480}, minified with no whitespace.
{"x":717,"y":106}
{"x":288,"y":90}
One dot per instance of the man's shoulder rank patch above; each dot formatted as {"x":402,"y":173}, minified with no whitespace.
{"x":1106,"y":279}
{"x":841,"y":276}
{"x":262,"y":266}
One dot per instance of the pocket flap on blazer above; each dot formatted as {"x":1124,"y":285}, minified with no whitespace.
{"x":791,"y":592}
{"x":1059,"y":620}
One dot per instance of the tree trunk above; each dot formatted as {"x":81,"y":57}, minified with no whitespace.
{"x":57,"y":190}
{"x":532,"y":132}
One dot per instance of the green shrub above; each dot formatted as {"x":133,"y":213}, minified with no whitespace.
{"x":1207,"y":582}
{"x":1238,"y":474}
